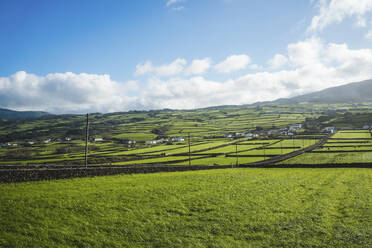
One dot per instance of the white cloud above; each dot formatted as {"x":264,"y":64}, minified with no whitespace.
{"x":361,"y":22}
{"x":369,"y":35}
{"x":313,"y":65}
{"x":335,"y":11}
{"x":144,"y":68}
{"x":255,"y":67}
{"x":306,"y":52}
{"x":278,"y":61}
{"x":233,"y":63}
{"x":64,"y":92}
{"x":132,"y":86}
{"x":199,"y":66}
{"x":174,"y":68}
{"x":172,"y":2}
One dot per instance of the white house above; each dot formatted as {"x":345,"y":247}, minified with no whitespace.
{"x":295,"y":127}
{"x":151,"y":142}
{"x":178,"y":139}
{"x":98,"y":139}
{"x":329,"y":129}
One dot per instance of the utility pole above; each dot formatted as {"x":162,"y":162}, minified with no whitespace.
{"x":86,"y":141}
{"x":189,"y":151}
{"x":236,"y":150}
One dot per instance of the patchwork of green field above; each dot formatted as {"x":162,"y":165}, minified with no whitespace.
{"x":345,"y":148}
{"x":208,"y":126}
{"x":218,"y":208}
{"x":331,"y":158}
{"x":357,"y":134}
{"x":348,"y":147}
{"x":230,"y":149}
{"x":151,"y":149}
{"x":171,"y":153}
{"x":159,"y":160}
{"x":147,"y":125}
{"x":222,"y":160}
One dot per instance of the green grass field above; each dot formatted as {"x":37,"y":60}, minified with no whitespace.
{"x":217,"y":208}
{"x":343,"y":148}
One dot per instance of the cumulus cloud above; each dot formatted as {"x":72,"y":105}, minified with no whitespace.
{"x":174,"y":68}
{"x":64,"y":92}
{"x":233,"y":63}
{"x":199,"y":66}
{"x":335,"y":11}
{"x":255,"y":67}
{"x":312,"y":65}
{"x":277,"y":61}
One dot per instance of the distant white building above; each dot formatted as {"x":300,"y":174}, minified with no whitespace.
{"x":98,"y":139}
{"x":329,"y":129}
{"x":295,"y":127}
{"x":177,"y":139}
{"x":151,"y":142}
{"x":249,"y":135}
{"x":67,"y":138}
{"x":239,"y":134}
{"x":47,"y":141}
{"x":233,"y":135}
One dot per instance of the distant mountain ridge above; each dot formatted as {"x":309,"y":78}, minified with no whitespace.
{"x":12,"y":114}
{"x":357,"y":92}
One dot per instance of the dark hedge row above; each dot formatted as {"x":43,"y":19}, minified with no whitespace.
{"x":9,"y":176}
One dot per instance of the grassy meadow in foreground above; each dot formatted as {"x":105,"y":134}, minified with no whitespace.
{"x":217,"y":208}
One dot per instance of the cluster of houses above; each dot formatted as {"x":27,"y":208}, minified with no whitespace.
{"x":288,"y":131}
{"x":46,"y":141}
{"x":8,"y":144}
{"x":160,"y":141}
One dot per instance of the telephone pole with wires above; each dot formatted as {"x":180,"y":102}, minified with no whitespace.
{"x":189,"y":150}
{"x":86,"y":140}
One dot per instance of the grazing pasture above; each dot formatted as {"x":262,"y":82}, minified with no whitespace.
{"x":216,"y":208}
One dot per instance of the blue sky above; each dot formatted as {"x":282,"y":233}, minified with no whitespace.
{"x":140,"y":54}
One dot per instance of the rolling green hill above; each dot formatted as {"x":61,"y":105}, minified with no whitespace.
{"x":357,"y":92}
{"x":11,"y":114}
